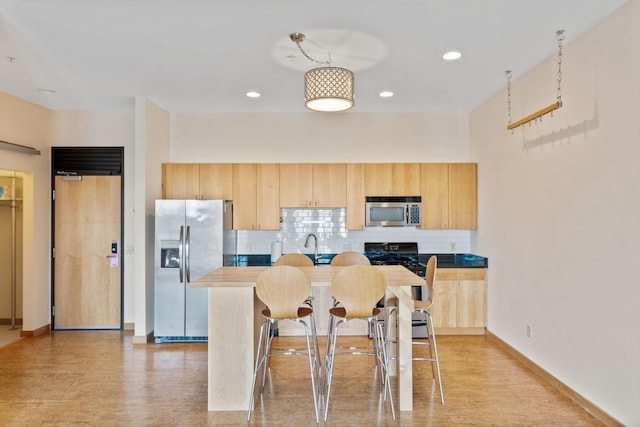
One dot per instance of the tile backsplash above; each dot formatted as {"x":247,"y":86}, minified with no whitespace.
{"x":329,"y":227}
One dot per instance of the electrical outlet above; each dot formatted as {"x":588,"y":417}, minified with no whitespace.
{"x":453,"y":248}
{"x":528,"y":331}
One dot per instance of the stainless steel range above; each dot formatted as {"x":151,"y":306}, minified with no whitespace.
{"x":402,"y":253}
{"x":407,"y":255}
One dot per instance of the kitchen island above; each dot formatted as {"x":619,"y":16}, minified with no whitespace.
{"x":235,"y":319}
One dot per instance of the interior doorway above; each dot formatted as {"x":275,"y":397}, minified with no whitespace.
{"x":87,"y":234}
{"x":11,"y":232}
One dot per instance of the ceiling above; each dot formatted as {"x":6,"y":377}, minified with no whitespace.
{"x":204,"y":55}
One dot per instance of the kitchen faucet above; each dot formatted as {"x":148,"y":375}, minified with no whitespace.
{"x":306,"y":245}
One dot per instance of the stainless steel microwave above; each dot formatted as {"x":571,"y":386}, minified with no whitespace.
{"x":393,"y":211}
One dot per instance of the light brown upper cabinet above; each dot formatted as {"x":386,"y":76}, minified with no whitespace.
{"x":378,"y":179}
{"x":313,"y":185}
{"x":448,"y":190}
{"x":180,"y":181}
{"x":449,"y":196}
{"x":392,"y":179}
{"x":268,"y":197}
{"x":209,"y":181}
{"x":296,"y":185}
{"x":244,"y":196}
{"x":463,"y":196}
{"x":355,"y":212}
{"x":406,"y":179}
{"x":255,"y":201}
{"x":330,"y":185}
{"x":434,"y":178}
{"x":216,"y":181}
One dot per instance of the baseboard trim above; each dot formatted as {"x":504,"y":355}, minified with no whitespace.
{"x":585,"y":404}
{"x":9,"y":322}
{"x":40,"y":331}
{"x":460,"y":331}
{"x":143,"y":339}
{"x":129,"y":326}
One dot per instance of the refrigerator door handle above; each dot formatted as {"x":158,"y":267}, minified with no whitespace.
{"x":180,"y":258}
{"x":187,"y":242}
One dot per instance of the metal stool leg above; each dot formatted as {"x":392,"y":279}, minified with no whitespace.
{"x":432,"y":340}
{"x":312,"y":365}
{"x":331,"y":352}
{"x":259,"y":361}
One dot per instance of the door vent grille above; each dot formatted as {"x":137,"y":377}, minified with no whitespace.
{"x":87,"y":160}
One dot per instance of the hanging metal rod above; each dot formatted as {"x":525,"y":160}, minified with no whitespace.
{"x":17,"y":147}
{"x":536,"y":115}
{"x":551,"y":108}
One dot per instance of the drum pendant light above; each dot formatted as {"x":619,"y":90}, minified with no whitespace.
{"x":326,"y":88}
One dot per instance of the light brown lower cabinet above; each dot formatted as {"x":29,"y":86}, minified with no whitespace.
{"x":459,"y":305}
{"x":460,"y":301}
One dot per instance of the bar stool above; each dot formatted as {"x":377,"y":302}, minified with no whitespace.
{"x":352,"y":258}
{"x":349,"y":258}
{"x":294,"y":259}
{"x":357,"y":288}
{"x":422,"y":307}
{"x":284,"y":289}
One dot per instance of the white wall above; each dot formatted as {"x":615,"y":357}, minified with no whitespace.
{"x":24,"y":123}
{"x":558,"y":215}
{"x":27,"y":124}
{"x":319,"y":137}
{"x":151,"y":150}
{"x":102,"y":129}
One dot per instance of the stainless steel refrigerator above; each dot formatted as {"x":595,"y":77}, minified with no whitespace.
{"x":192,"y":237}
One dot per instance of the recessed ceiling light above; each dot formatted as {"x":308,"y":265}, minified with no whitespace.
{"x":253,"y":94}
{"x":451,"y":55}
{"x":386,"y":94}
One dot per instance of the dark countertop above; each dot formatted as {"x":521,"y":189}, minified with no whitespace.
{"x":457,"y":260}
{"x":444,"y":260}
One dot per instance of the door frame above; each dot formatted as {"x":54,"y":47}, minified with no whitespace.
{"x":87,"y":161}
